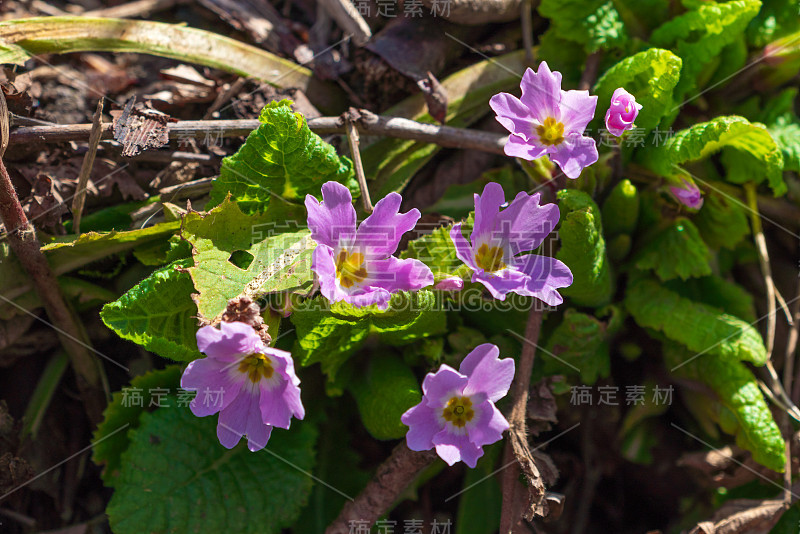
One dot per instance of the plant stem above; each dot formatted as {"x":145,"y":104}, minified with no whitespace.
{"x":352,"y":138}
{"x":391,"y":479}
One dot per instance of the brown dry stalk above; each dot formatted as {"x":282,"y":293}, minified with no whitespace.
{"x":391,"y":479}
{"x":26,"y":247}
{"x":86,"y":168}
{"x":350,"y":117}
{"x":518,"y":448}
{"x":367,"y":124}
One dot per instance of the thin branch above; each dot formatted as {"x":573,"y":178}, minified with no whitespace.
{"x":368,"y":124}
{"x":517,"y":435}
{"x":86,"y":168}
{"x":348,"y":18}
{"x":527,"y":31}
{"x":26,"y":247}
{"x":352,"y":138}
{"x":590,"y":71}
{"x":391,"y":479}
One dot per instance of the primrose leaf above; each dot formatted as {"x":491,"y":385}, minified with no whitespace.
{"x":583,"y":250}
{"x":677,"y":251}
{"x":112,"y":436}
{"x":331,"y":334}
{"x":436,"y":249}
{"x":176,"y":477}
{"x":742,"y":412}
{"x":650,"y":76}
{"x":158,"y":313}
{"x":702,"y":328}
{"x":385,"y":390}
{"x":582,"y":341}
{"x":776,"y":19}
{"x":699,"y":36}
{"x":719,"y":293}
{"x":282,"y":158}
{"x":721,"y":222}
{"x":595,"y":24}
{"x":705,"y":138}
{"x":277,"y":256}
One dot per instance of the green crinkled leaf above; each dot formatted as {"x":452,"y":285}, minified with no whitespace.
{"x":700,"y":327}
{"x":436,"y":249}
{"x":699,"y":36}
{"x":330,"y":335}
{"x":676,"y":251}
{"x":583,"y":250}
{"x":112,"y":436}
{"x":621,"y":209}
{"x":595,"y":24}
{"x":158,"y":313}
{"x":284,"y":158}
{"x":706,"y":138}
{"x":176,"y":477}
{"x":743,"y":411}
{"x":281,"y":259}
{"x":385,"y":390}
{"x":641,"y":16}
{"x":68,"y":253}
{"x":715,"y":291}
{"x":582,"y":341}
{"x":721,"y":222}
{"x":786,"y":133}
{"x":650,"y":76}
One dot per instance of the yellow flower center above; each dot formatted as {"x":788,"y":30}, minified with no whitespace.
{"x":551,"y":132}
{"x":256,"y":366}
{"x":490,"y":259}
{"x":349,"y":268}
{"x":458,"y":411}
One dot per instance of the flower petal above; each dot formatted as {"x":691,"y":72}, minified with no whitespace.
{"x":439,"y":386}
{"x":489,"y":425}
{"x":217,"y":383}
{"x":541,"y":92}
{"x":380,"y":233}
{"x":574,"y":154}
{"x":487,"y":207}
{"x":516,"y":147}
{"x":233,"y":420}
{"x":231,"y":341}
{"x":422,"y":426}
{"x":323,"y":264}
{"x":332,"y":218}
{"x":577,"y":110}
{"x":487,"y":373}
{"x":455,"y":447}
{"x":512,"y":114}
{"x":463,"y":248}
{"x":525,"y":223}
{"x":502,"y":282}
{"x":546,"y":275}
{"x":394,"y":274}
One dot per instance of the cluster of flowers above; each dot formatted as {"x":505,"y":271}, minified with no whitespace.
{"x":356,"y":264}
{"x":547,"y":120}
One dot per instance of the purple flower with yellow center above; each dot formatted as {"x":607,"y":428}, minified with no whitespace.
{"x":498,"y":238}
{"x":457,"y":414}
{"x":622,"y":112}
{"x":547,"y":120}
{"x":689,"y":194}
{"x":356,"y":265}
{"x":252,"y":386}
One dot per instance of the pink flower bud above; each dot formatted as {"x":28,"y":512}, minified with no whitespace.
{"x":623,"y":111}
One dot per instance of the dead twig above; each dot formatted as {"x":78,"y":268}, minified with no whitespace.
{"x":352,"y":138}
{"x":86,"y":168}
{"x":26,"y":247}
{"x":391,"y":479}
{"x":518,"y":438}
{"x":140,"y":8}
{"x":590,"y":71}
{"x":368,"y":124}
{"x":527,"y":31}
{"x":348,"y":18}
